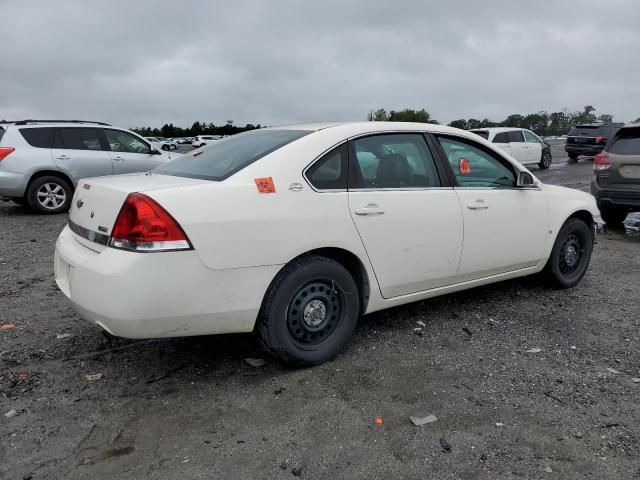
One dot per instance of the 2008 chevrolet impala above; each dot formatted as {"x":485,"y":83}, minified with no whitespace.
{"x":297,"y":231}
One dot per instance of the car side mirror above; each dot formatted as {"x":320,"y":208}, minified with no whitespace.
{"x":525,"y":180}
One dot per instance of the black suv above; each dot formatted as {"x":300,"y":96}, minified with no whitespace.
{"x":589,"y":139}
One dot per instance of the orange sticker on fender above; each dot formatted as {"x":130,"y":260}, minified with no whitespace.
{"x":265,"y":185}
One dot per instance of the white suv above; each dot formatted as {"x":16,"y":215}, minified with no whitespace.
{"x":522,"y":144}
{"x":41,"y":161}
{"x":202,"y":140}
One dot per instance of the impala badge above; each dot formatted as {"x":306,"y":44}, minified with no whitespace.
{"x":79,"y":203}
{"x":295,"y":187}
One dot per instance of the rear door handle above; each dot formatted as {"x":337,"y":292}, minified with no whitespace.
{"x":371,"y":209}
{"x":63,"y":157}
{"x":477,"y":205}
{"x":118,"y":159}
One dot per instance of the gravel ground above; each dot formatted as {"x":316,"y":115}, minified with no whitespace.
{"x":194,"y":408}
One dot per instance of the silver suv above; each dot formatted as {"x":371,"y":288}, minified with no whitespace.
{"x":41,"y":161}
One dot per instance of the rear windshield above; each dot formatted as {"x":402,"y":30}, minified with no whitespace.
{"x":222,"y":159}
{"x":626,"y":142}
{"x":587,"y":130}
{"x":38,"y":137}
{"x":483,"y":133}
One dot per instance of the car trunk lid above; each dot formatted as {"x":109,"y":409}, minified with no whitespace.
{"x":98,"y":201}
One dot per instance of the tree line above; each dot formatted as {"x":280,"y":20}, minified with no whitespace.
{"x":198,"y":128}
{"x":542,"y":123}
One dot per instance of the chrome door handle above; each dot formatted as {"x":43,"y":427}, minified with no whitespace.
{"x":118,"y":159}
{"x":62,"y":157}
{"x":371,"y":209}
{"x":477,"y":205}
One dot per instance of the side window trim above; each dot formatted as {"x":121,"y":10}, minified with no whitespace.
{"x":355,"y":180}
{"x":454,"y":181}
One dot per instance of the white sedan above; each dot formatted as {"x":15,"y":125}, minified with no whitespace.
{"x":296,"y":232}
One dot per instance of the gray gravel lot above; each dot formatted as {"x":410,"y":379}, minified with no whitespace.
{"x":194,"y":408}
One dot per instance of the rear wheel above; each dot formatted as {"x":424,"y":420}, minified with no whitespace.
{"x":310,"y":311}
{"x":613,"y":216}
{"x":571,"y":254}
{"x":573,"y":156}
{"x":49,"y":194}
{"x":545,"y":160}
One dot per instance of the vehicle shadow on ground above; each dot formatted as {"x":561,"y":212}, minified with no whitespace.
{"x":215,"y":355}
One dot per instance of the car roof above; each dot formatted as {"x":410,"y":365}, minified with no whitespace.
{"x":498,"y":129}
{"x":357,"y":128}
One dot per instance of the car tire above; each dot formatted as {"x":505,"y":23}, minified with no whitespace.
{"x":613,"y":216}
{"x":49,"y":195}
{"x":571,"y":254}
{"x":545,"y":160}
{"x":310,"y":311}
{"x":165,"y":148}
{"x":573,"y":157}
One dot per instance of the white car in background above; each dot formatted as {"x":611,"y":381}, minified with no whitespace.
{"x":297,"y":231}
{"x":163,"y":143}
{"x":202,"y":140}
{"x":522,"y":144}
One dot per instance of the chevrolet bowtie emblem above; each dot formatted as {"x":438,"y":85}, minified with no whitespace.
{"x":79,"y":203}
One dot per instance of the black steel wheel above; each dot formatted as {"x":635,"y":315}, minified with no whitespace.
{"x":314,"y":313}
{"x":571,"y":253}
{"x":310,"y":311}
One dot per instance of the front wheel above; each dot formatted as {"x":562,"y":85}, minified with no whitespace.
{"x":310,"y":311}
{"x":545,"y":160}
{"x":571,"y":254}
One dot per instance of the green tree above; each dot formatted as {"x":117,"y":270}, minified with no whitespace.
{"x":410,"y":115}
{"x":605,"y":117}
{"x":460,"y":123}
{"x":379,"y":115}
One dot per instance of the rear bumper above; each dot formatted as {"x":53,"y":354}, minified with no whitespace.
{"x":590,"y":150}
{"x":153,"y":295}
{"x":627,"y":199}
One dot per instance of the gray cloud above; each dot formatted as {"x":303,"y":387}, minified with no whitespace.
{"x":151,"y":62}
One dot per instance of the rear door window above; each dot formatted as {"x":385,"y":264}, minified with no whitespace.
{"x":77,"y":139}
{"x":393,"y":161}
{"x":500,"y":138}
{"x":515,"y":136}
{"x":626,"y":142}
{"x":38,"y":137}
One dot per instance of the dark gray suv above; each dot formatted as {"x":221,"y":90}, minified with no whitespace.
{"x":616,"y":181}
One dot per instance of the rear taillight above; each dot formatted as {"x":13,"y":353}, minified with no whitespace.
{"x":600,"y":163}
{"x":144,"y":226}
{"x":4,"y":151}
{"x":601,"y":139}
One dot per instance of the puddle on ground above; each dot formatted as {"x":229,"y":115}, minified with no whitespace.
{"x":630,"y":229}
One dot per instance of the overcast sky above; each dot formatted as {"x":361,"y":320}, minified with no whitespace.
{"x":273,"y":62}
